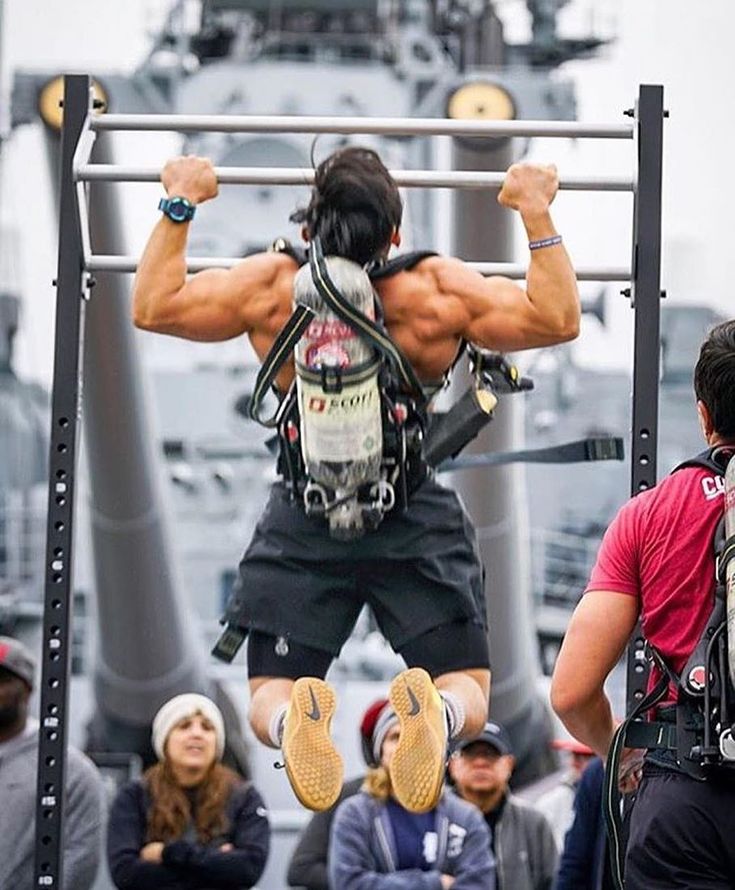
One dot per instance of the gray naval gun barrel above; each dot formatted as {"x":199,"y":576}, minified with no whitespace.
{"x":146,"y":650}
{"x":496,"y":500}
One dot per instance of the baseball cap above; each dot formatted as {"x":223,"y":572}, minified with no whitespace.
{"x":16,"y":658}
{"x":493,"y":734}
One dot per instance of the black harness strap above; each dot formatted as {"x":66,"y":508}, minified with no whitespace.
{"x":592,"y":449}
{"x":611,"y":798}
{"x":282,"y":347}
{"x":403,"y":263}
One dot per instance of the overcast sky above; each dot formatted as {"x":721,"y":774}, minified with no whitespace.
{"x":683,"y":45}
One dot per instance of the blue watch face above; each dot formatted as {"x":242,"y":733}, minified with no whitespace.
{"x":179,"y":209}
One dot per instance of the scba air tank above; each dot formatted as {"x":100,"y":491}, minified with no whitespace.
{"x":339,"y":406}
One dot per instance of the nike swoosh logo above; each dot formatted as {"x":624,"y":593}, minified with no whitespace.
{"x":315,"y":713}
{"x":415,"y":706}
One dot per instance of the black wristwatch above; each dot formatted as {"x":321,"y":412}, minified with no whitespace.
{"x":177,"y":209}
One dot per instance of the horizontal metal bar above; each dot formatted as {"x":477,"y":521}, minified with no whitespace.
{"x":394,"y":126}
{"x":517,"y":271}
{"x":465,"y":179}
{"x":584,"y":273}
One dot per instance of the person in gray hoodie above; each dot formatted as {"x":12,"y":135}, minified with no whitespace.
{"x":18,"y":763}
{"x":376,"y":844}
{"x":523,"y":842}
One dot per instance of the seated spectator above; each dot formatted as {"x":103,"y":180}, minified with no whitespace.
{"x":522,"y":839}
{"x":378,"y":845}
{"x":308,"y":867}
{"x":189,"y":822}
{"x":18,"y":765}
{"x":557,"y":804}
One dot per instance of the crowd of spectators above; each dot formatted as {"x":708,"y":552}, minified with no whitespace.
{"x":191,"y":823}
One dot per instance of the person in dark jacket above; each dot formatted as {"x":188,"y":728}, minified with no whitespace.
{"x":376,"y":844}
{"x":522,"y":839}
{"x":583,"y":859}
{"x":189,"y":823}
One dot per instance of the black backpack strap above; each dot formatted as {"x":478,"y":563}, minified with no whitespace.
{"x":714,"y":459}
{"x":402,"y":263}
{"x":282,"y":347}
{"x":372,"y":333}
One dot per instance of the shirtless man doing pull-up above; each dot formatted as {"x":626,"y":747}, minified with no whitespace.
{"x":300,"y":591}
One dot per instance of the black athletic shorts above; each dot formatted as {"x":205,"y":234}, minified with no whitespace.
{"x":681,"y":832}
{"x":419,"y":570}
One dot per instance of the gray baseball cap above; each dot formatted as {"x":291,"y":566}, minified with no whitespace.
{"x":16,"y":658}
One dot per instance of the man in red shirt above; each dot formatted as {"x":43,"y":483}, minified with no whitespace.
{"x":656,"y":561}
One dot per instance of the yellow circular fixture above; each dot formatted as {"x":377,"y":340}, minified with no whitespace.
{"x":51,"y":94}
{"x":481,"y":101}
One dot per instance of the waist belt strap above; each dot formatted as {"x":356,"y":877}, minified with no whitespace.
{"x":651,"y":735}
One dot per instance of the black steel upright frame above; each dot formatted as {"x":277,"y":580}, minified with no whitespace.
{"x":645,"y":295}
{"x":71,"y":292}
{"x":71,"y":286}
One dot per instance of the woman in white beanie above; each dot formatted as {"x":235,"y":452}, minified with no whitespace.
{"x":189,"y":823}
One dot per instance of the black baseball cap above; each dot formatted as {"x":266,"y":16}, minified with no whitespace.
{"x":493,"y":734}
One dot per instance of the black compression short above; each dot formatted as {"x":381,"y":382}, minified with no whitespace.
{"x":419,"y":570}
{"x":461,"y":645}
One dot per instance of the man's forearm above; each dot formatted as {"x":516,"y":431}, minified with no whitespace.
{"x":591,"y":723}
{"x":161,"y":271}
{"x":551,"y":284}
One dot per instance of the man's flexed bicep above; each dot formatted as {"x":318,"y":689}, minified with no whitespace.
{"x":498,"y":313}
{"x":216,"y":304}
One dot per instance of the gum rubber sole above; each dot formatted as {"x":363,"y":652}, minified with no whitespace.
{"x":313,"y":765}
{"x":418,"y":763}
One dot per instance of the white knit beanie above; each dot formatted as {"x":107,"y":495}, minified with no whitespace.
{"x":179,"y":708}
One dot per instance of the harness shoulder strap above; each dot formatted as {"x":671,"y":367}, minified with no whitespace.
{"x":402,"y":263}
{"x":282,"y":347}
{"x":714,"y":459}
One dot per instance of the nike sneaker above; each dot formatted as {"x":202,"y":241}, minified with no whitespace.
{"x":313,"y":765}
{"x":418,"y":763}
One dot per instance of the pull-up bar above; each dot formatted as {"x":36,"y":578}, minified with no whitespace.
{"x":461,"y":179}
{"x":379,"y":126}
{"x":283,"y":176}
{"x":516,"y":271}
